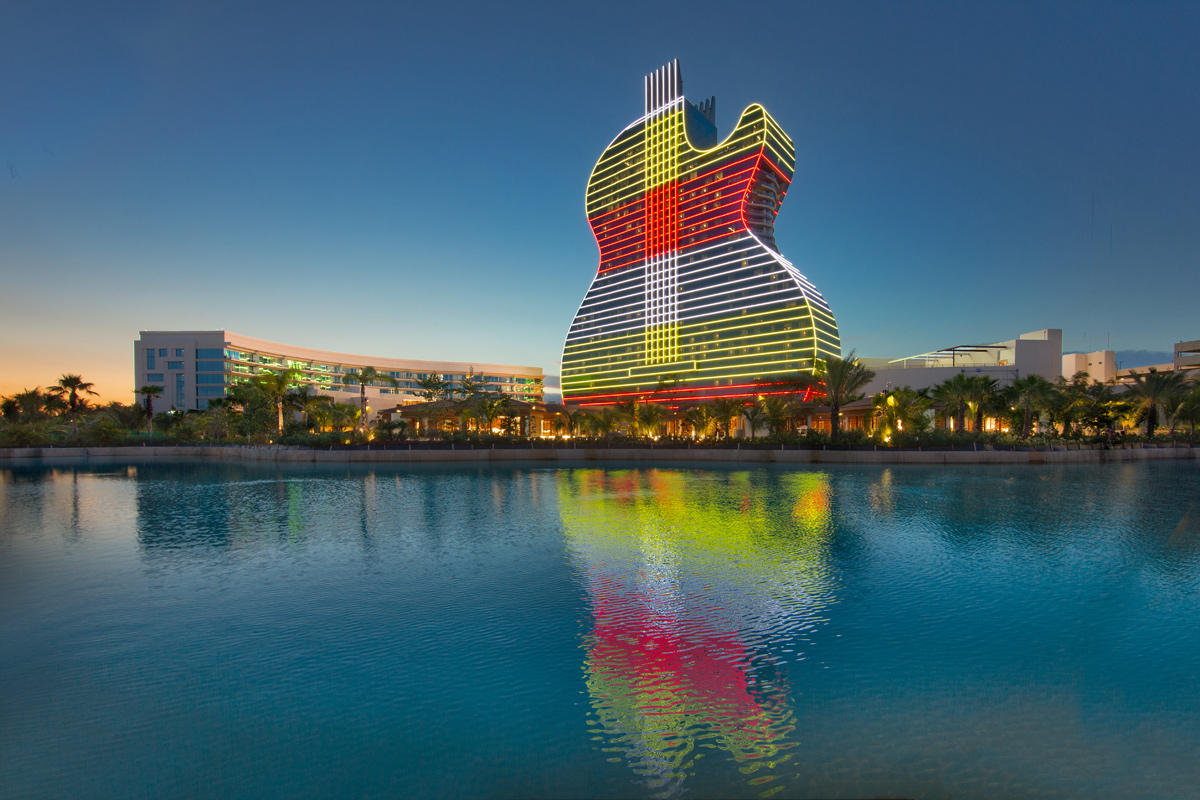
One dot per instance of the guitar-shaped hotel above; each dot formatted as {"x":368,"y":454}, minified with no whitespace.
{"x":692,"y":299}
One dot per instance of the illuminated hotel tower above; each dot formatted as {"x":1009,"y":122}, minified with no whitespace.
{"x":692,"y":297}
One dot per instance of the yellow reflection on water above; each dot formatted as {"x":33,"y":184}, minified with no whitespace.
{"x":698,"y":583}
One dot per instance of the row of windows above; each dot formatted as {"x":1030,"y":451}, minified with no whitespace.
{"x":304,"y":366}
{"x":219,"y":391}
{"x":222,"y":379}
{"x":222,"y":366}
{"x":163,"y":352}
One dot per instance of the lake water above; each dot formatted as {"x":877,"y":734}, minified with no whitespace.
{"x":182,"y":630}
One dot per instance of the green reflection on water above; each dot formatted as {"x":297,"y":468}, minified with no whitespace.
{"x":696,"y":582}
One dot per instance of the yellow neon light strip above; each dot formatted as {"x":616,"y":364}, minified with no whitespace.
{"x":687,"y":328}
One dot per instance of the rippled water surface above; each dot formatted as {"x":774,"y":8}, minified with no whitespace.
{"x":183,"y":630}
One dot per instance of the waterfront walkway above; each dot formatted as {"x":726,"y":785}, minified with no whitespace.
{"x":420,"y":452}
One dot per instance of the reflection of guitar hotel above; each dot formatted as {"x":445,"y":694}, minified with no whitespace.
{"x":691,"y":291}
{"x":693,"y":591}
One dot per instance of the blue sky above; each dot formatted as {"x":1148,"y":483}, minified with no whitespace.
{"x":407,"y":180}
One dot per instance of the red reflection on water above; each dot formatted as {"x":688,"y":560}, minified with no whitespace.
{"x":660,"y":665}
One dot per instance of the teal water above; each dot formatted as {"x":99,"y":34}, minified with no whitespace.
{"x":182,"y":630}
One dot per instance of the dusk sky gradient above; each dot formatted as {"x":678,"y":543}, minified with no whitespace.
{"x":407,"y":180}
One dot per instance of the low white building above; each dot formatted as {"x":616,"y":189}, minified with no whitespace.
{"x":195,"y":366}
{"x":1187,"y":355}
{"x":1099,"y":366}
{"x":1035,"y":353}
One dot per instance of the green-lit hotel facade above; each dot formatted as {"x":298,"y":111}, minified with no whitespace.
{"x":193,"y":367}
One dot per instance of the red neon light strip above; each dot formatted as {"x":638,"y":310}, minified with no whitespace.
{"x":663,"y":231}
{"x":700,"y":177}
{"x":668,"y":394}
{"x":746,"y":194}
{"x":713,"y":210}
{"x":662,"y":222}
{"x":806,"y":399}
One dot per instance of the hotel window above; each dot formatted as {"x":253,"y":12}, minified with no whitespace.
{"x":149,"y":359}
{"x":162,"y":352}
{"x":179,"y":352}
{"x":210,"y":378}
{"x":210,"y":391}
{"x":179,"y":390}
{"x":154,"y":377}
{"x":174,"y":365}
{"x":210,"y":366}
{"x":209,"y":352}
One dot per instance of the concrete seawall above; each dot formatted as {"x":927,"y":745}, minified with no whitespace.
{"x":14,"y":455}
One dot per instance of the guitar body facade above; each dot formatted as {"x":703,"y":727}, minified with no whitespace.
{"x":692,"y":299}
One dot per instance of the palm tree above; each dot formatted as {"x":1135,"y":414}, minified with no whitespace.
{"x":218,"y":421}
{"x":390,"y":429}
{"x":10,"y":409}
{"x":725,"y":410}
{"x":648,"y":418}
{"x":128,"y":417}
{"x":955,"y":393}
{"x":275,"y":385}
{"x":605,"y":421}
{"x":242,"y":394}
{"x":626,"y":412}
{"x":32,"y":404}
{"x":574,"y":418}
{"x":489,"y":408}
{"x":322,"y":415}
{"x":1030,"y":395}
{"x":343,"y":415}
{"x":362,"y":377}
{"x":73,"y":386}
{"x":1188,"y":409}
{"x":901,"y":410}
{"x":983,"y":392}
{"x":1152,"y":390}
{"x":887,"y":417}
{"x":777,"y":412}
{"x":1070,"y":400}
{"x":303,"y":398}
{"x":149,"y":392}
{"x":700,"y":418}
{"x":843,"y":378}
{"x":754,"y":414}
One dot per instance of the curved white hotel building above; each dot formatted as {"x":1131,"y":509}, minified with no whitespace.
{"x":195,"y":366}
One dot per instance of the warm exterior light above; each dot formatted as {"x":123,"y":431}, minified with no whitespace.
{"x":691,"y":288}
